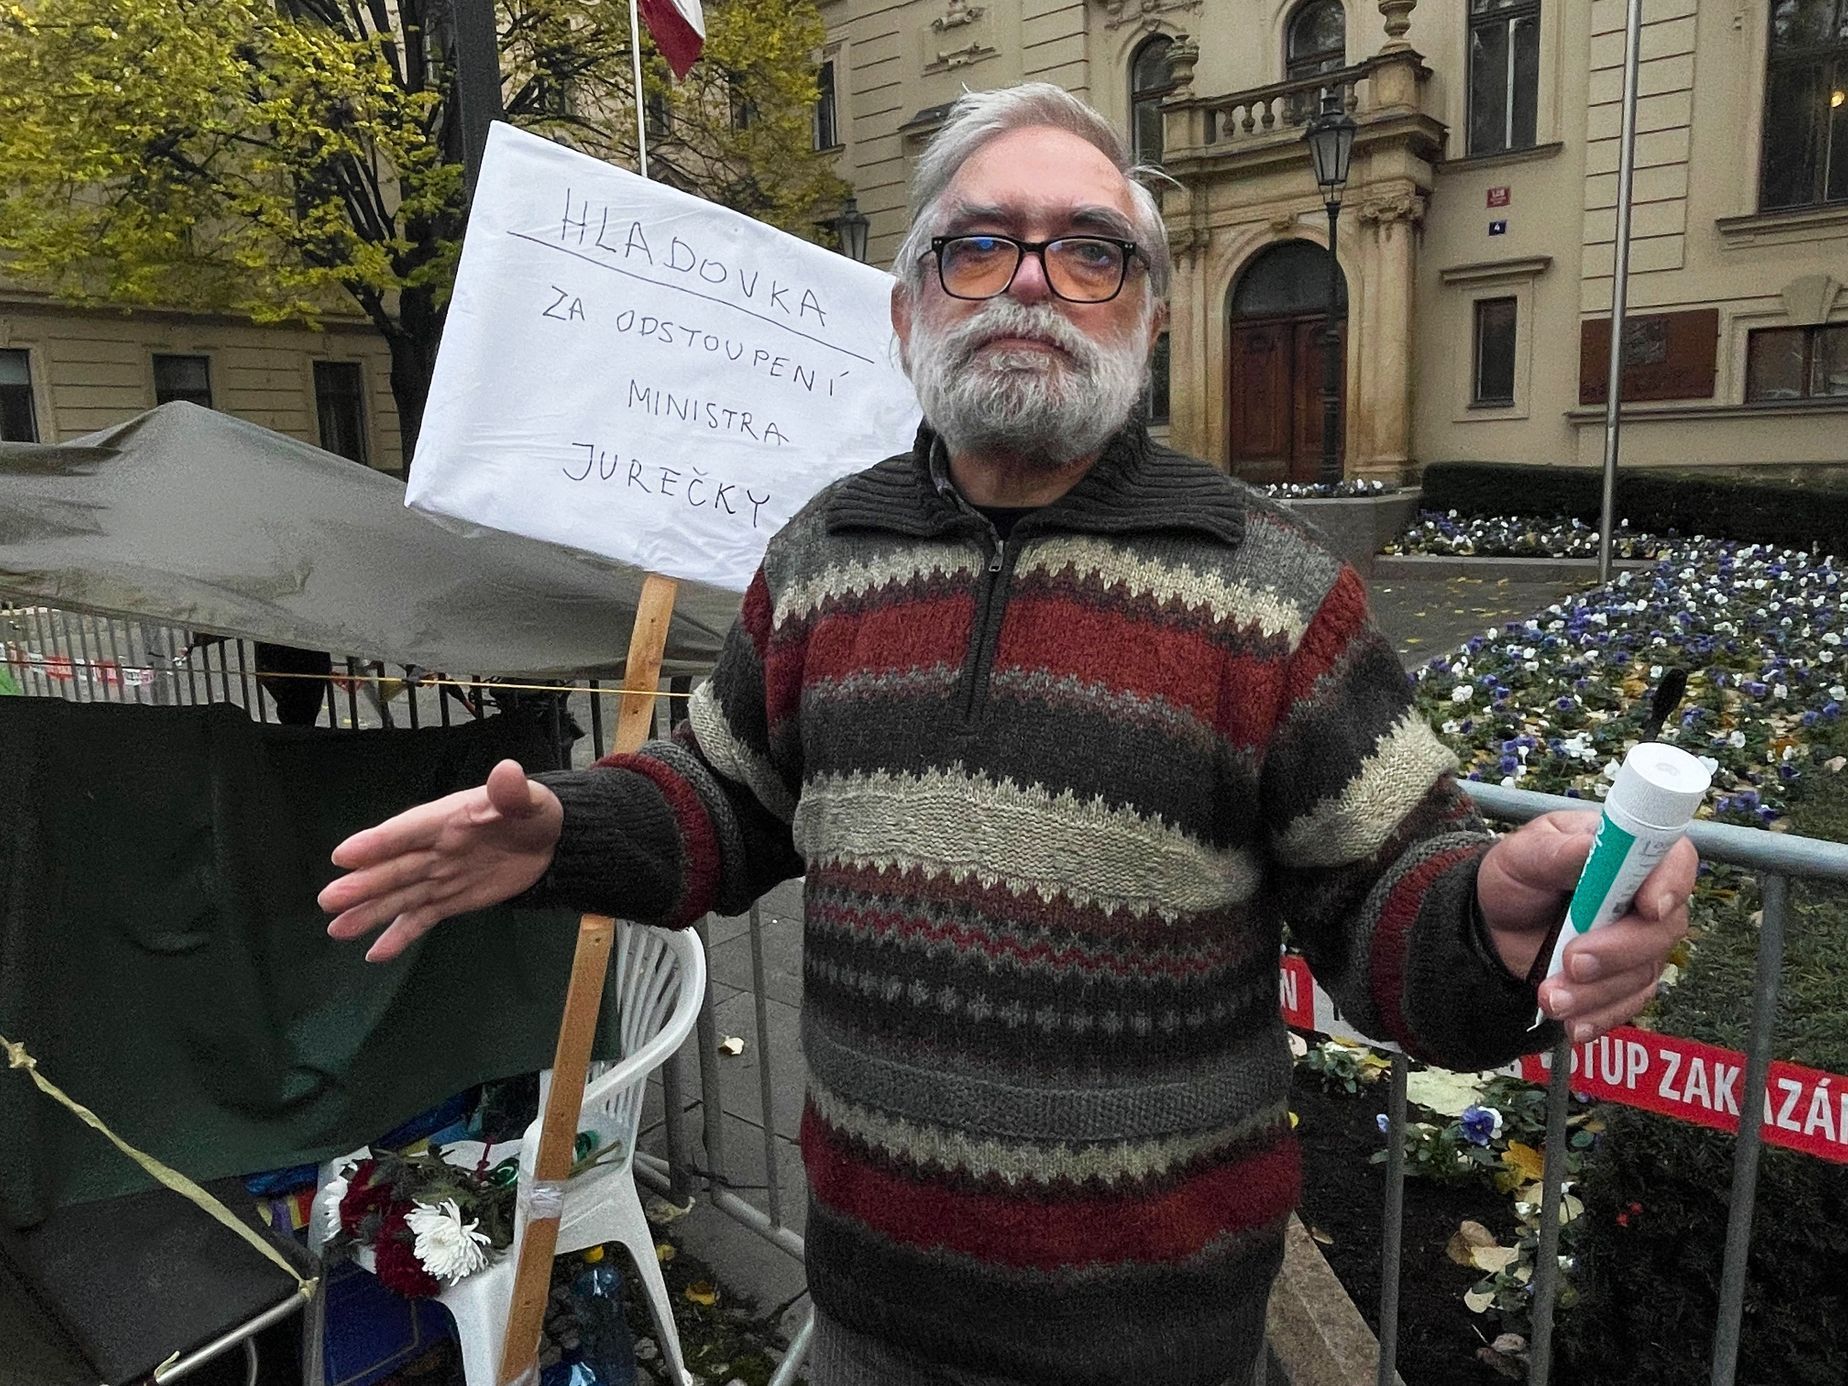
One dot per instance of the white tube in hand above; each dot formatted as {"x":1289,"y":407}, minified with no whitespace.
{"x":1653,"y":799}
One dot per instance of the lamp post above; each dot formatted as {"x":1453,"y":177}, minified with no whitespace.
{"x":850,"y":230}
{"x":1330,"y":137}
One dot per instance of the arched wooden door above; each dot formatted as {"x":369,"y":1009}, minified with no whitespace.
{"x":1278,"y":310}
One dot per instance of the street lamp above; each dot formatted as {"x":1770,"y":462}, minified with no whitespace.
{"x":1330,"y":137}
{"x":850,"y":230}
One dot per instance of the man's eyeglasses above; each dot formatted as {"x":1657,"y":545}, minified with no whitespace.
{"x":1079,"y":269}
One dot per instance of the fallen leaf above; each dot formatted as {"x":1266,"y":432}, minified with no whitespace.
{"x":731,"y":1044}
{"x":1524,"y":1160}
{"x":1490,"y":1259}
{"x":1478,"y":1300}
{"x":665,"y":1252}
{"x":1320,"y":1236}
{"x":1468,"y":1239}
{"x":1834,"y":764}
{"x":658,"y":1209}
{"x":1509,"y":1343}
{"x":1504,"y":1366}
{"x":702,"y":1292}
{"x":1295,"y":1121}
{"x":1442,"y":1091}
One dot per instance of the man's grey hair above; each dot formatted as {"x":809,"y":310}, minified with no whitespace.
{"x":979,"y":117}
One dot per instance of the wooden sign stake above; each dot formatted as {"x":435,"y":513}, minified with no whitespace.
{"x":532,"y":1279}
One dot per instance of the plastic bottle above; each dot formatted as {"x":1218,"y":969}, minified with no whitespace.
{"x":1653,"y":799}
{"x":605,"y":1344}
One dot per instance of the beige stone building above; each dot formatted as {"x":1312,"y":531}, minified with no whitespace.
{"x":66,"y":371}
{"x":1476,"y":239}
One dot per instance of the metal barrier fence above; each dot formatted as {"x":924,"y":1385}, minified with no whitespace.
{"x":80,"y":657}
{"x":85,"y":658}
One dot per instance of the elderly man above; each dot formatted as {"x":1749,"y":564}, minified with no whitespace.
{"x":1062,"y":728}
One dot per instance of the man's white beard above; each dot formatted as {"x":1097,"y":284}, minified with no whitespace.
{"x":1032,"y":406}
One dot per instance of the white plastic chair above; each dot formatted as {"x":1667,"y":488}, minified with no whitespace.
{"x":660,"y":981}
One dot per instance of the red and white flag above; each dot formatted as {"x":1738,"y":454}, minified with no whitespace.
{"x":679,"y":31}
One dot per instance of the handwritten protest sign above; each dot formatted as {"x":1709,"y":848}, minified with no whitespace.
{"x":644,"y":375}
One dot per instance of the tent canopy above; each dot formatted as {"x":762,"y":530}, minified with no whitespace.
{"x":196,"y":519}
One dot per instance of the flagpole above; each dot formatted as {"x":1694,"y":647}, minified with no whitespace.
{"x":641,"y":120}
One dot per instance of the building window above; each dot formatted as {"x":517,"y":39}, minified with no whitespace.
{"x":182,"y":377}
{"x":1151,"y":78}
{"x":1504,"y":74}
{"x":1157,"y":400}
{"x":657,"y":117}
{"x":18,"y":419}
{"x":1314,"y":43}
{"x":340,"y":407}
{"x":1492,"y":380}
{"x":743,"y":109}
{"x":1797,"y":363}
{"x":1316,"y":40}
{"x":1806,"y":105}
{"x":827,"y":133}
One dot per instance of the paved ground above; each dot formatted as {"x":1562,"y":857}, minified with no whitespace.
{"x":1422,"y":617}
{"x":1426,"y":617}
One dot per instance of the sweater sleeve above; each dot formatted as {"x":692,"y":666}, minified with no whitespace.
{"x":1374,"y":852}
{"x":699,"y":822}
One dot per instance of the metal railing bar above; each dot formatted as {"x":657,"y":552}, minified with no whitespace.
{"x":1775,"y":896}
{"x":772,"y":1182}
{"x":786,"y":1370}
{"x":113,"y":653}
{"x":71,"y":655}
{"x":243,"y":675}
{"x":1719,"y":842}
{"x":711,"y":1095}
{"x":658,"y":1174}
{"x":1552,"y":1202}
{"x":674,"y":1098}
{"x":1393,"y":1222}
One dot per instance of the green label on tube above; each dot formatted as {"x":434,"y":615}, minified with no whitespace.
{"x":1607,"y":857}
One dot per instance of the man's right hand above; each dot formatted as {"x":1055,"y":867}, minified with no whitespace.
{"x":460,"y":853}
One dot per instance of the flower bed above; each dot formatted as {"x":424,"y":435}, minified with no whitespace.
{"x":1449,"y":534}
{"x":1325,"y":490}
{"x":1551,"y":703}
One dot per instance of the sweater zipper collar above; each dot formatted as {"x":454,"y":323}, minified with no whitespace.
{"x":1136,"y":487}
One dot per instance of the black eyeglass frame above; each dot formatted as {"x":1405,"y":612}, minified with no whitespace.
{"x":1130,"y":250}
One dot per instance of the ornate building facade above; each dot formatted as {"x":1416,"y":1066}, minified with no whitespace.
{"x":1477,"y":233}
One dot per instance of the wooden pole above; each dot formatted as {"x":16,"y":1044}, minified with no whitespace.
{"x":532,"y":1279}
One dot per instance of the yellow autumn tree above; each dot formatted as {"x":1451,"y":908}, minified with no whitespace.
{"x":273,"y":159}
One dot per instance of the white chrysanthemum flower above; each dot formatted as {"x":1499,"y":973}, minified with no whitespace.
{"x":448,"y":1247}
{"x":327,"y":1207}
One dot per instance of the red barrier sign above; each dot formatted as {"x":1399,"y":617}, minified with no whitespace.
{"x":1803,"y":1109}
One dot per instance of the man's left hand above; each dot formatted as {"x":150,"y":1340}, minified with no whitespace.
{"x":1523,"y":886}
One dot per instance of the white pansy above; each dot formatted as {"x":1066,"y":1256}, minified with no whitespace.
{"x":1655,"y":671}
{"x":1736,"y":739}
{"x":1708,"y":763}
{"x":327,"y":1207}
{"x":448,"y":1247}
{"x":1839,"y":692}
{"x":1462,"y":693}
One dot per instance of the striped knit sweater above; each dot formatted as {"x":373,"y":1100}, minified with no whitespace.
{"x":1055,"y":801}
